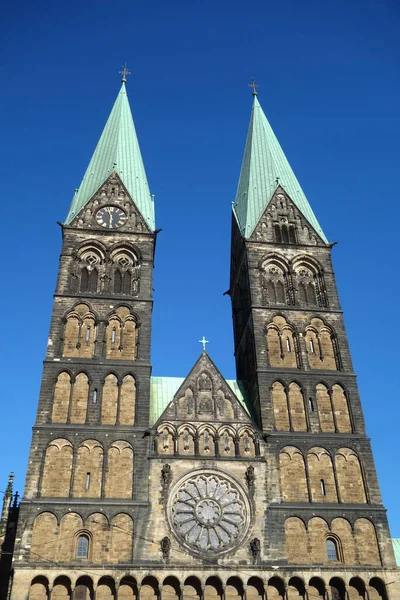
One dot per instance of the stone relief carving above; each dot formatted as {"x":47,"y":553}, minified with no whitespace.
{"x":247,"y":443}
{"x":209,"y":513}
{"x":186,"y":445}
{"x":204,"y":383}
{"x":206,"y":440}
{"x":166,"y":474}
{"x":255,"y":549}
{"x":165,"y":439}
{"x":250,"y":477}
{"x":165,"y":545}
{"x":227,"y":442}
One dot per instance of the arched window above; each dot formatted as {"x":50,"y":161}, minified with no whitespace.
{"x":310,"y":283}
{"x":331,"y":549}
{"x":274,"y":284}
{"x":285,"y":233}
{"x":82,"y":547}
{"x":126,"y":272}
{"x":89,"y":261}
{"x":306,"y":286}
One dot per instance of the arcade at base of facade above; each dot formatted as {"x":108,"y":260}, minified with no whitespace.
{"x":244,"y":583}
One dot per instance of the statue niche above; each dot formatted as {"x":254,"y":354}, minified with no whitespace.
{"x":185,"y":405}
{"x":205,"y":402}
{"x":224,"y":407}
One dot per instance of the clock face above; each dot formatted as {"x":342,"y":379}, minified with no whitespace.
{"x":111,"y":217}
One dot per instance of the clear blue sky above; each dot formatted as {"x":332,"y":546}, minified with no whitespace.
{"x":328,"y":75}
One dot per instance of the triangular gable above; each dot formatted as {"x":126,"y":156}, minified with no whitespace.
{"x":282,"y":210}
{"x":203,"y":396}
{"x":111,"y":192}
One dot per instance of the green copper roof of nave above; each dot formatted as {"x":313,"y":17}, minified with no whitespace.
{"x":264,"y":166}
{"x":396,"y":548}
{"x":117,"y":150}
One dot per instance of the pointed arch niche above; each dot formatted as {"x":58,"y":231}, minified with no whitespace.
{"x":122,"y":335}
{"x":120,"y":460}
{"x":79,"y":332}
{"x":288,"y":407}
{"x":322,"y":346}
{"x":282,"y":344}
{"x":57,"y":469}
{"x":70,"y":398}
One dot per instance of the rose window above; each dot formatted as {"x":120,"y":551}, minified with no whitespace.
{"x":209,"y":513}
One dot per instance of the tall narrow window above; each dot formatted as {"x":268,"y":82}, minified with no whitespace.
{"x":331,"y":549}
{"x":311,"y":404}
{"x":288,"y":345}
{"x":271,"y":292}
{"x":312,"y":299}
{"x":113,"y":334}
{"x":280,"y":292}
{"x":292,"y":234}
{"x":84,"y":280}
{"x":278,"y":237}
{"x":95,"y":397}
{"x":302,"y":292}
{"x":312,"y":349}
{"x":82,"y":548}
{"x":87,"y":484}
{"x":126,"y":283}
{"x":117,"y":282}
{"x":323,"y":490}
{"x":87,"y":334}
{"x":285,"y":234}
{"x":94,"y":276}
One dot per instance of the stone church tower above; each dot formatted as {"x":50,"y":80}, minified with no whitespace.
{"x":199,"y":488}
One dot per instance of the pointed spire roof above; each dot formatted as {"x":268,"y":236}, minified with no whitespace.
{"x":117,"y":150}
{"x":264,"y":167}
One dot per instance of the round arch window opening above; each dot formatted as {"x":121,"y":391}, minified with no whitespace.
{"x":209,"y":512}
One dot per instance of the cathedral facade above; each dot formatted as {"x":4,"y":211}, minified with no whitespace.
{"x":199,"y":488}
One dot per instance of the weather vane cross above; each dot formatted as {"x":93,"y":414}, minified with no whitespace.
{"x":204,"y":342}
{"x":254,"y":85}
{"x":124,"y":73}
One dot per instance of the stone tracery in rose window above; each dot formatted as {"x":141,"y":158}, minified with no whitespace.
{"x":209,"y":513}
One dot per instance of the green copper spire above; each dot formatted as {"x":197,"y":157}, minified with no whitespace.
{"x":118,"y":150}
{"x":265,"y":166}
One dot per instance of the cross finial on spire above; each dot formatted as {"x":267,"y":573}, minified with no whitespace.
{"x":124,"y":73}
{"x":204,"y":342}
{"x":254,"y":85}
